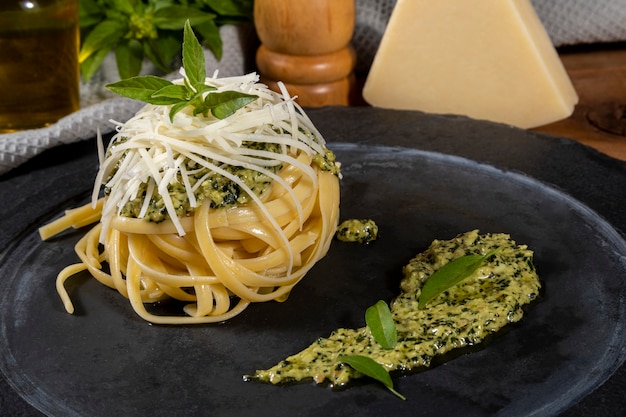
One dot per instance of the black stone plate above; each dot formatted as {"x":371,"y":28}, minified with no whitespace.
{"x":421,"y":178}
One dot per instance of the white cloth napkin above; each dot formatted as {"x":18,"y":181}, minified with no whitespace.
{"x":567,"y":22}
{"x":571,"y":22}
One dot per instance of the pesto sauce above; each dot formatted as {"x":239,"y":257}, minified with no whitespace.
{"x":461,"y":316}
{"x":220,"y":191}
{"x":327,"y":162}
{"x":357,"y":230}
{"x":217,"y":189}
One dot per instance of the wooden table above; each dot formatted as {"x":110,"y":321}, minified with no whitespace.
{"x":598,"y":73}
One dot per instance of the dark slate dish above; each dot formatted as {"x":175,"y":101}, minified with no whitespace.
{"x":421,"y":177}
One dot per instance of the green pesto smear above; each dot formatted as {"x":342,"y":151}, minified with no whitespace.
{"x":464,"y":315}
{"x":357,"y":231}
{"x":218,"y":190}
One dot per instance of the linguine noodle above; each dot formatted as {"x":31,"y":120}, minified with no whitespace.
{"x":215,"y":259}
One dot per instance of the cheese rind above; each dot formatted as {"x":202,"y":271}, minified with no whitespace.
{"x":485,"y":59}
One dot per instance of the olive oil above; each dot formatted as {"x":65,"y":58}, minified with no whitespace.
{"x":39,"y":73}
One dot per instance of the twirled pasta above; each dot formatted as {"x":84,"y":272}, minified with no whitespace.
{"x":217,"y":260}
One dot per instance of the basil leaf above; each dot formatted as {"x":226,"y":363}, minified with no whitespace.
{"x":174,"y":17}
{"x":89,"y":13}
{"x":210,"y":33}
{"x":199,"y":106}
{"x":141,"y":88}
{"x":169,"y":47}
{"x":226,"y":103}
{"x":193,"y":57}
{"x":103,"y":36}
{"x":155,"y":52}
{"x":129,"y":58}
{"x":380,"y":322}
{"x":202,"y":88}
{"x":176,"y":108}
{"x":241,"y":8}
{"x":369,"y":367}
{"x":451,"y":274}
{"x":122,"y":6}
{"x":91,"y":64}
{"x":174,"y":91}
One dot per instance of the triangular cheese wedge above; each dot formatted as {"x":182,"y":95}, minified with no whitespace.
{"x":486,"y":59}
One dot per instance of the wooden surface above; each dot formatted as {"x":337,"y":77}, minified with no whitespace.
{"x":598,"y":73}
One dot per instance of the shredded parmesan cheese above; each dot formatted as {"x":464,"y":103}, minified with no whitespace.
{"x":148,"y":154}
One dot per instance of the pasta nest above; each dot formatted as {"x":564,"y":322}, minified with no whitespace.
{"x":165,"y":230}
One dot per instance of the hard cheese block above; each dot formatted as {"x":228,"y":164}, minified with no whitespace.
{"x":486,"y":59}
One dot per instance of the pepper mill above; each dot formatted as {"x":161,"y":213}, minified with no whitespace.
{"x":306,"y":45}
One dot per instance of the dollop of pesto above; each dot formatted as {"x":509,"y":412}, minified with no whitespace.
{"x":327,"y":162}
{"x":461,"y":316}
{"x":357,"y":230}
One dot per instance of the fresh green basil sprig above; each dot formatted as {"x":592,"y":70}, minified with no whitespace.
{"x":451,"y":274}
{"x":152,"y":29}
{"x":159,"y":91}
{"x":383,"y":328}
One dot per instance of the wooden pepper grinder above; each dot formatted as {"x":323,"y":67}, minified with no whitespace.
{"x":306,"y":45}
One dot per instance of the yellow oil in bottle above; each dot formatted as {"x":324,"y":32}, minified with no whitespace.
{"x":39,"y":72}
